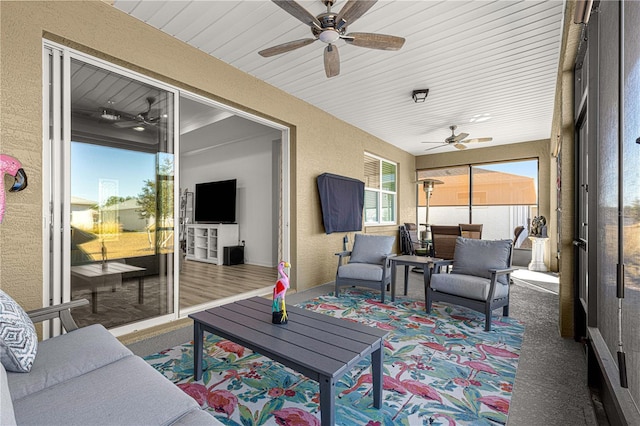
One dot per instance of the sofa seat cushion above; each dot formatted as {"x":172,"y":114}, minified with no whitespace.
{"x":67,"y":356}
{"x":361,"y":271}
{"x":126,"y":392}
{"x":467,"y":286}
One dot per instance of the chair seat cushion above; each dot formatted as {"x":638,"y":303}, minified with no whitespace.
{"x":360,"y":271}
{"x":467,"y":286}
{"x":476,"y":257}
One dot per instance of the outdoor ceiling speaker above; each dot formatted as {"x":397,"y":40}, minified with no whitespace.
{"x":233,"y":255}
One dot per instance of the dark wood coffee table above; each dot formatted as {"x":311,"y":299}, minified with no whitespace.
{"x":321,"y":347}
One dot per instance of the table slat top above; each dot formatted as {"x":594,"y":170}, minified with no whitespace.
{"x":315,"y":341}
{"x":95,"y":269}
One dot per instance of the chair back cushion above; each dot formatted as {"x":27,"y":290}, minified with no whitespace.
{"x":371,"y":248}
{"x":476,"y":257}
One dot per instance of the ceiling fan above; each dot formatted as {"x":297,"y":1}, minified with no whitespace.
{"x":140,"y":120}
{"x":330,"y":27}
{"x":458,"y":141}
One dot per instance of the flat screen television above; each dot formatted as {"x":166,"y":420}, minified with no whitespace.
{"x":215,"y":202}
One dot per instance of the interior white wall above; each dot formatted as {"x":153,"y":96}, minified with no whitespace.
{"x":249,"y":161}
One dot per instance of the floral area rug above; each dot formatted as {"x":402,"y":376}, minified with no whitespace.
{"x":439,"y":369}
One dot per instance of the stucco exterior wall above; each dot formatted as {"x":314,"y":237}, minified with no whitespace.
{"x":320,"y":142}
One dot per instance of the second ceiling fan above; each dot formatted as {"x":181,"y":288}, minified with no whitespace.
{"x":330,"y":27}
{"x":458,"y":141}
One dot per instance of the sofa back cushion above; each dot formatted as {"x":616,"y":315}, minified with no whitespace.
{"x":18,"y":338}
{"x":371,"y":248}
{"x":476,"y":257}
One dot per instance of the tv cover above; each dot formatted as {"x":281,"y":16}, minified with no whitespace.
{"x":342,"y":202}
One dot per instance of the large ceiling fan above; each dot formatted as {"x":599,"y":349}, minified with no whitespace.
{"x":330,"y":27}
{"x":458,"y":141}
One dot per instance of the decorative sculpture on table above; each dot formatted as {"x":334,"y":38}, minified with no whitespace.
{"x":279,"y":308}
{"x":11,"y":166}
{"x":539,"y":227}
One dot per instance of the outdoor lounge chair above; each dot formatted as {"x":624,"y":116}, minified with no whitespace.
{"x":368,"y":264}
{"x":479,"y":278}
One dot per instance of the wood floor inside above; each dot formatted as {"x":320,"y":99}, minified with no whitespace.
{"x":203,"y":282}
{"x":120,"y":303}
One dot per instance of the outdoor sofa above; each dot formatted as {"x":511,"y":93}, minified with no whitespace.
{"x":87,"y":377}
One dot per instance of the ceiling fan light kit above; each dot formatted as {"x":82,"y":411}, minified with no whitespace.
{"x":329,"y":27}
{"x":420,"y":95}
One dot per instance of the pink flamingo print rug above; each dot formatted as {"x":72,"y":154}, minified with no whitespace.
{"x":439,"y":369}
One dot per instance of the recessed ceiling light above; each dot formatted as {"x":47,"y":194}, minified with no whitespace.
{"x":138,"y":128}
{"x":479,"y":118}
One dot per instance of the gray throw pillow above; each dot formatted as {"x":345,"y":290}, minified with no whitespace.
{"x":371,"y":248}
{"x":18,"y":338}
{"x":476,"y":257}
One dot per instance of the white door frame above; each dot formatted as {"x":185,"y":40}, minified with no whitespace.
{"x":56,"y":179}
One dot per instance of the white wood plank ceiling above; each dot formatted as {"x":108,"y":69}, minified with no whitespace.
{"x":496,"y":60}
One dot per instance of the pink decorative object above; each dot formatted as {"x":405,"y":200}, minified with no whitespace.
{"x":279,"y":308}
{"x":11,"y":166}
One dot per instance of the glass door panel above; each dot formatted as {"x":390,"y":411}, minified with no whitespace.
{"x":631,"y":198}
{"x":121,"y":180}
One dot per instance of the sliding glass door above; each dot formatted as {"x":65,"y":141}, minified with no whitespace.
{"x":112,"y":192}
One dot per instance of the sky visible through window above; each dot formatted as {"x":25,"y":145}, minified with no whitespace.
{"x":91,"y":163}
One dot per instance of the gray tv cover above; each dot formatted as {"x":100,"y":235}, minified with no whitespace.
{"x":342,"y":201}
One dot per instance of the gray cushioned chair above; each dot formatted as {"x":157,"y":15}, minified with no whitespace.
{"x":479,"y":278}
{"x":368,"y":264}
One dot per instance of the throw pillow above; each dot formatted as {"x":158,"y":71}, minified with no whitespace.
{"x":371,"y":248}
{"x":18,"y":338}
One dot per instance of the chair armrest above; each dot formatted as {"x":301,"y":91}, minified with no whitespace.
{"x":62,"y":311}
{"x":343,"y":253}
{"x":437,"y":265}
{"x":501,"y":271}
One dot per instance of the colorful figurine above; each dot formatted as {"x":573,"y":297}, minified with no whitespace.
{"x":11,"y":166}
{"x":279,"y":308}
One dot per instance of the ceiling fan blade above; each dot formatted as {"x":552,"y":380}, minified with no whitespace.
{"x":431,"y":142}
{"x":435,"y":147}
{"x":331,"y":61}
{"x":298,"y":12}
{"x":460,"y":146}
{"x":459,"y":137}
{"x":351,"y":11}
{"x":476,"y":140}
{"x":375,"y":41}
{"x":128,"y":123}
{"x":285,"y":47}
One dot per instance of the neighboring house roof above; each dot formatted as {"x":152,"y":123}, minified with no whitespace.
{"x":125,"y":205}
{"x":78,"y":201}
{"x":490,"y":188}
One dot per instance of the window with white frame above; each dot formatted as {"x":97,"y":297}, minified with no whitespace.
{"x":380,"y":194}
